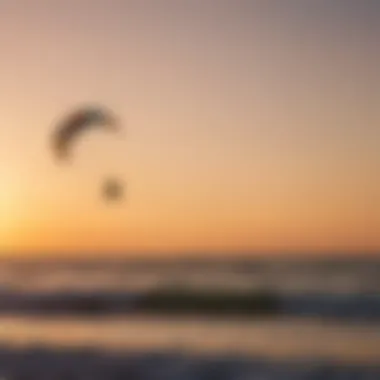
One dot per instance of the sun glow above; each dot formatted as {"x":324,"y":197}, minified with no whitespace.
{"x":5,"y":213}
{"x":8,"y":211}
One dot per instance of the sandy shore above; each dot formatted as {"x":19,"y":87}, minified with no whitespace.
{"x":273,"y":338}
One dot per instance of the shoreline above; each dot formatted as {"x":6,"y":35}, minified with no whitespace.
{"x":288,"y":339}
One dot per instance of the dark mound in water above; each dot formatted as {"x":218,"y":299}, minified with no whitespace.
{"x":219,"y":303}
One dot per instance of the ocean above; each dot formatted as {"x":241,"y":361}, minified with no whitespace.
{"x":82,"y":320}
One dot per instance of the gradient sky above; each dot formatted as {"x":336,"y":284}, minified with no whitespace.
{"x":250,"y":125}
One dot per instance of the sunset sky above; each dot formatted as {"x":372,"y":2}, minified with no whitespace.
{"x":249,"y":125}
